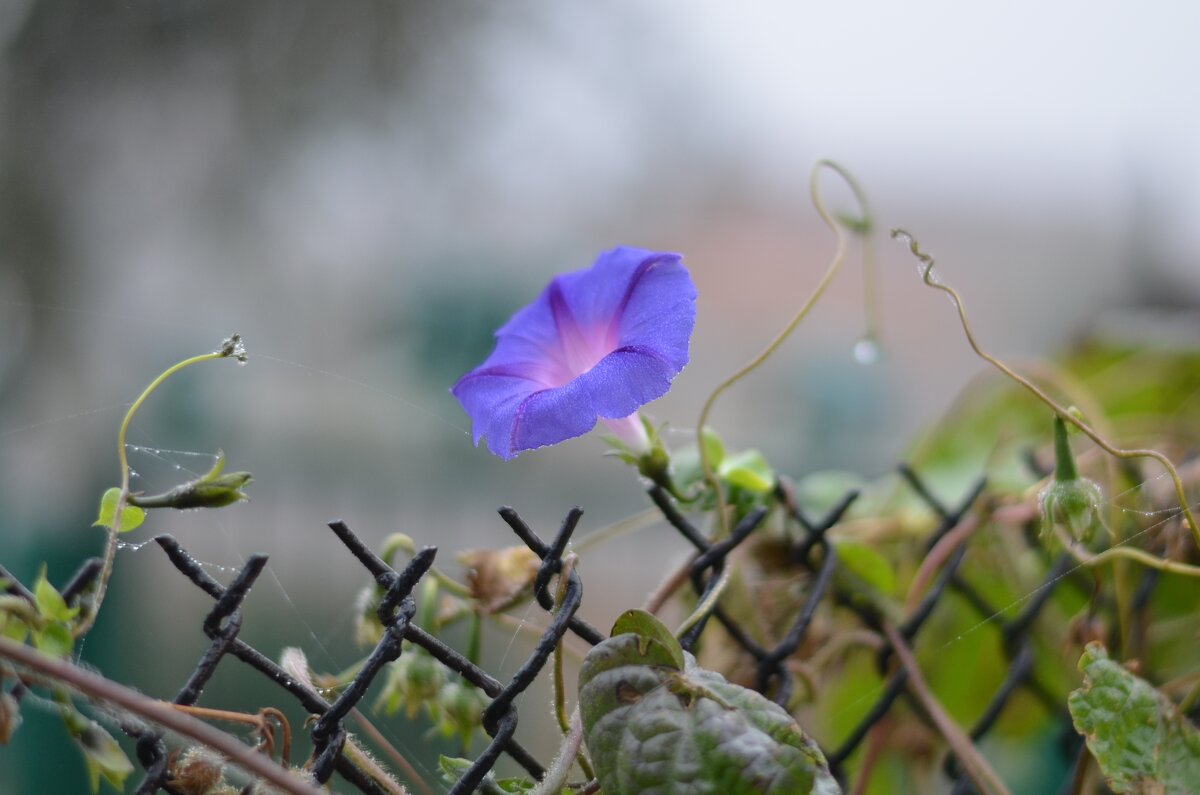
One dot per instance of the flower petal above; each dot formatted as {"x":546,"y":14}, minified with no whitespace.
{"x":601,"y":293}
{"x":600,"y":342}
{"x":619,"y":385}
{"x":660,"y":313}
{"x":492,"y":396}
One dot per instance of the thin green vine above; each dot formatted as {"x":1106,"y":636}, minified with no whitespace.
{"x":230,"y":348}
{"x":839,"y":226}
{"x":1067,"y":416}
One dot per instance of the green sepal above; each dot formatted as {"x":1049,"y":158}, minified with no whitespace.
{"x":1137,"y":735}
{"x":653,"y":463}
{"x":214,"y":489}
{"x":1075,"y":504}
{"x":131,"y":516}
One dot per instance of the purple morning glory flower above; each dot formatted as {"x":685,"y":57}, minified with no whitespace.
{"x":598,"y":343}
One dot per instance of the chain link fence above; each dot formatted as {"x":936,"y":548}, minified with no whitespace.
{"x":810,"y":549}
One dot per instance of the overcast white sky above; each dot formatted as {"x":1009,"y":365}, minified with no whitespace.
{"x":1025,"y":109}
{"x":1027,"y":77}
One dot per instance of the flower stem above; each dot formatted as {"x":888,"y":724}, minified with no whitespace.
{"x":110,"y":548}
{"x":560,"y":699}
{"x":835,"y":265}
{"x":839,"y":256}
{"x":980,"y":772}
{"x":389,"y":750}
{"x":1132,"y":553}
{"x":630,"y":431}
{"x":1064,"y":459}
{"x":708,"y":604}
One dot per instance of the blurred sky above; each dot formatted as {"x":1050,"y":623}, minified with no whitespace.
{"x":366,"y":190}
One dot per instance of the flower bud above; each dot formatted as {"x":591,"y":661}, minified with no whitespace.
{"x":1070,"y":500}
{"x":212,"y":490}
{"x":1074,"y":504}
{"x":655,"y":464}
{"x":368,"y":629}
{"x":414,"y":680}
{"x":460,"y":711}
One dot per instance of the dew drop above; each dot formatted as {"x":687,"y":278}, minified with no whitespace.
{"x":866,"y":351}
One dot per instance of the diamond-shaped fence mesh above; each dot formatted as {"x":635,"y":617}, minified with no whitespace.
{"x":809,"y":550}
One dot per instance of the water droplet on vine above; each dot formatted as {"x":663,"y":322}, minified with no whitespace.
{"x":866,"y":351}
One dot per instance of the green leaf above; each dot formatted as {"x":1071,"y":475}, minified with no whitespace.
{"x":867,"y":564}
{"x":713,"y":447}
{"x":651,"y":630}
{"x":650,"y":727}
{"x":49,"y":601}
{"x":453,"y":768}
{"x":818,"y":492}
{"x":54,"y":639}
{"x":101,"y":753}
{"x":13,"y":627}
{"x":131,"y":516}
{"x":217,"y":468}
{"x":685,"y":468}
{"x":1141,"y":741}
{"x":749,"y":470}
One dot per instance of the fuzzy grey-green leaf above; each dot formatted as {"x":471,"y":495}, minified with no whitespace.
{"x":651,"y":630}
{"x":650,"y":727}
{"x":1138,"y":737}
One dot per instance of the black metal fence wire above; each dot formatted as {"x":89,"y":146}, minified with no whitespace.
{"x":811,"y":549}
